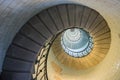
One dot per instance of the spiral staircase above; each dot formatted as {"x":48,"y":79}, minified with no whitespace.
{"x":37,"y":48}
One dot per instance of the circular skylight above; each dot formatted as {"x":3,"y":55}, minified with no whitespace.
{"x":76,"y":42}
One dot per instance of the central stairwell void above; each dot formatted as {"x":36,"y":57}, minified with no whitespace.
{"x":76,"y":42}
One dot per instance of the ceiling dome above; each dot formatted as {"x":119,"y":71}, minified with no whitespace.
{"x":76,"y":42}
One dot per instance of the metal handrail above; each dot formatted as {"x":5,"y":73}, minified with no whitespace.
{"x":43,"y":54}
